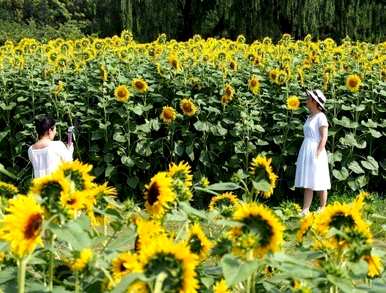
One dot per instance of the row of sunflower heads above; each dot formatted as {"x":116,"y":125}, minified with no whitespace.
{"x":341,"y":231}
{"x":64,"y":195}
{"x":162,"y":260}
{"x":167,"y":188}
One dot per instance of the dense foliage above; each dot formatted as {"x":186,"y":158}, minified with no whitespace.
{"x":213,"y":103}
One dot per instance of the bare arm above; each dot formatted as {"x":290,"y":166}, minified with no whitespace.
{"x":323,"y":130}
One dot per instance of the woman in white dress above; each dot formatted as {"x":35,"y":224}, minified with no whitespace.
{"x":312,"y":171}
{"x":46,"y":154}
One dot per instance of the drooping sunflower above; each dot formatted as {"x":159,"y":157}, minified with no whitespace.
{"x":140,"y":85}
{"x":168,"y":114}
{"x":221,"y":287}
{"x":261,"y":169}
{"x":147,"y":230}
{"x":22,"y":225}
{"x":254,"y":84}
{"x":342,"y":217}
{"x":261,"y":232}
{"x":224,"y":203}
{"x":78,"y":174}
{"x":198,"y":243}
{"x":305,"y":226}
{"x":79,"y":263}
{"x":188,"y":107}
{"x":121,"y":93}
{"x":50,"y":187}
{"x":353,"y":83}
{"x":182,"y":171}
{"x":375,"y":267}
{"x":293,"y":103}
{"x":8,"y":190}
{"x":159,"y":194}
{"x":174,"y":260}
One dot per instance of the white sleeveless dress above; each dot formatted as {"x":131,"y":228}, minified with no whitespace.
{"x":46,"y":160}
{"x":312,"y":172}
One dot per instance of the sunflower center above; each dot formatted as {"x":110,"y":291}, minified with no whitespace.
{"x":253,"y":83}
{"x":195,"y":244}
{"x":168,"y":114}
{"x":340,"y":221}
{"x":153,"y":193}
{"x":187,"y":107}
{"x":139,"y":85}
{"x":51,"y":189}
{"x":174,"y":63}
{"x":228,"y":91}
{"x":71,"y":201}
{"x":122,"y":93}
{"x":173,"y":268}
{"x":122,"y":267}
{"x":353,"y":82}
{"x":257,"y":225}
{"x":33,"y":226}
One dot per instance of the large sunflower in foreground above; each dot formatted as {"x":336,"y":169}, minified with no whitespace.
{"x":174,"y":260}
{"x":224,"y":203}
{"x":342,"y":217}
{"x":78,"y":174}
{"x":198,"y":242}
{"x":121,"y":93}
{"x":353,"y":82}
{"x":22,"y":225}
{"x":168,"y":114}
{"x":159,"y":194}
{"x":261,"y":170}
{"x":260,"y":232}
{"x":140,"y":85}
{"x":188,"y":107}
{"x":8,"y":190}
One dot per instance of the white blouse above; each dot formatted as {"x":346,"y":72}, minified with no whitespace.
{"x":46,"y":160}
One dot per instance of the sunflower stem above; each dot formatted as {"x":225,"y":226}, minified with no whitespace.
{"x":159,"y":282}
{"x":51,"y":265}
{"x":77,"y":283}
{"x":22,"y":263}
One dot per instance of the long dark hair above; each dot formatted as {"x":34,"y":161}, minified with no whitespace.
{"x":43,"y":124}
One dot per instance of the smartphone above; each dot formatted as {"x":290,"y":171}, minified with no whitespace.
{"x":70,"y":132}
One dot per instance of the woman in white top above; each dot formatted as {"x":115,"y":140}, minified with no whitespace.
{"x":47,"y":154}
{"x":312,"y":172}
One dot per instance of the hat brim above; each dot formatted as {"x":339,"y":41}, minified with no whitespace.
{"x":315,"y":98}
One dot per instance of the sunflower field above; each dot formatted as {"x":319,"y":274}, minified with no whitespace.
{"x":155,"y":124}
{"x":71,"y":234}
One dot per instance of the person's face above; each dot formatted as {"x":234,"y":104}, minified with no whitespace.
{"x":52,"y":133}
{"x":310,"y":103}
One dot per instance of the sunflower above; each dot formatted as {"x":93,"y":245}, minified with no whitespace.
{"x":121,"y":93}
{"x":140,"y":85}
{"x":261,"y":232}
{"x":343,"y":217}
{"x":221,"y":287}
{"x":182,"y":171}
{"x":233,"y":65}
{"x":273,"y":74}
{"x":188,"y":107}
{"x":73,"y":203}
{"x":375,"y":266}
{"x":159,"y":193}
{"x":8,"y":190}
{"x":22,"y":225}
{"x":174,"y":62}
{"x":353,"y":82}
{"x":81,"y":262}
{"x":198,"y":243}
{"x":168,"y":114}
{"x":262,"y":170}
{"x":293,"y":103}
{"x":254,"y":84}
{"x":225,"y":203}
{"x":174,"y":260}
{"x":305,"y":226}
{"x":147,"y":230}
{"x":229,"y":91}
{"x":204,"y":181}
{"x":77,"y":173}
{"x":125,"y":263}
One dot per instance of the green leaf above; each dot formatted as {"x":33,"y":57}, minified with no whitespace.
{"x":235,"y":270}
{"x":340,"y":174}
{"x":261,"y":185}
{"x":375,"y":133}
{"x":7,"y":274}
{"x":72,"y":233}
{"x":3,"y":134}
{"x":201,"y":126}
{"x":187,"y":208}
{"x":223,"y":186}
{"x":355,"y":167}
{"x":370,"y":164}
{"x":118,"y":137}
{"x":345,"y":122}
{"x":126,"y":281}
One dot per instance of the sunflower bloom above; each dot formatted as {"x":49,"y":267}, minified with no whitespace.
{"x":188,"y":107}
{"x":262,"y":230}
{"x":22,"y":225}
{"x":159,"y":194}
{"x":123,"y":264}
{"x":254,"y":84}
{"x":8,"y":190}
{"x":181,"y":171}
{"x":198,"y":242}
{"x":305,"y":226}
{"x":147,"y":230}
{"x":81,"y":262}
{"x":261,"y":168}
{"x":121,"y":93}
{"x":229,"y":91}
{"x":168,"y":114}
{"x":221,"y":287}
{"x":353,"y":82}
{"x":375,"y":266}
{"x":293,"y":103}
{"x":173,"y":259}
{"x":78,"y":174}
{"x":140,"y":85}
{"x":224,"y":203}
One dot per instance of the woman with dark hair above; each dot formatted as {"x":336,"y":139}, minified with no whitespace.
{"x":47,"y":154}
